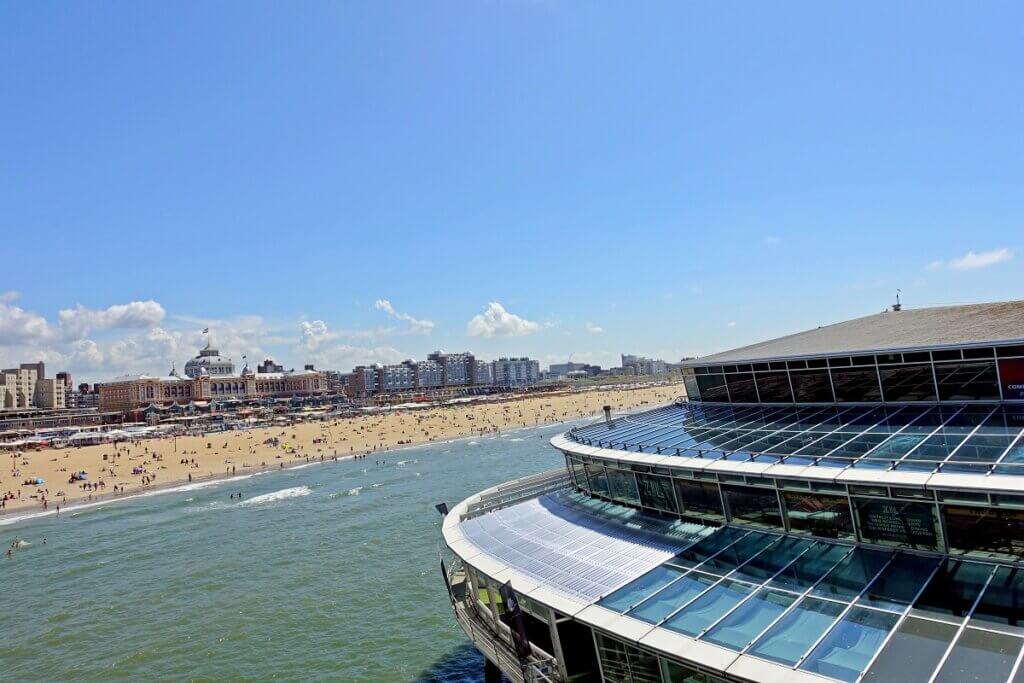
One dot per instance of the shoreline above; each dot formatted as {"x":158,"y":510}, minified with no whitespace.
{"x":12,"y":516}
{"x":221,"y":456}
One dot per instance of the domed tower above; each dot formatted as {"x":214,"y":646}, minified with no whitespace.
{"x":209,"y":362}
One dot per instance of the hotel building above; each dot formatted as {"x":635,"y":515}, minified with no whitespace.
{"x":135,"y":392}
{"x":841,"y":504}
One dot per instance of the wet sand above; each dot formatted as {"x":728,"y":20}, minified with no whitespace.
{"x":170,"y":462}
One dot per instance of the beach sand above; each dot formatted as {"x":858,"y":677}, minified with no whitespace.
{"x":234,"y":453}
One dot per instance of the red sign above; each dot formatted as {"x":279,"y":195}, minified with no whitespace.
{"x":1011,"y":376}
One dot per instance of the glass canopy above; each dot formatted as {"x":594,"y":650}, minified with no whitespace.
{"x":840,"y":611}
{"x":967,"y":437}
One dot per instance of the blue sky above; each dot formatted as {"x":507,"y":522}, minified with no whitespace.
{"x":658,"y":178}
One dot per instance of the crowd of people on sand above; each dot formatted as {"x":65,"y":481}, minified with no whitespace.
{"x":374,"y":433}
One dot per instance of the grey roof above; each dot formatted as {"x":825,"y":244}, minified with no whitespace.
{"x":892,"y":330}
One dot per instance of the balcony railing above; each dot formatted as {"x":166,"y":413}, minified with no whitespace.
{"x":518,"y":490}
{"x":494,"y":640}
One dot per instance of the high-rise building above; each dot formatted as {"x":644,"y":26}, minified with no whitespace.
{"x":514,"y":372}
{"x":27,"y":387}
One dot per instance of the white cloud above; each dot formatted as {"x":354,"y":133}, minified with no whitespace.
{"x":10,"y":296}
{"x":497,"y":322}
{"x":731,"y":323}
{"x":314,"y":334}
{"x":86,"y":354}
{"x":772,"y":239}
{"x":79,"y":321}
{"x":416,"y":324}
{"x":973,"y":260}
{"x":592,"y":328}
{"x":18,"y":325}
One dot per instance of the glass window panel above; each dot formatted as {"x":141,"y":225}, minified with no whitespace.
{"x":638,"y":590}
{"x":741,"y":388}
{"x":937,"y":447}
{"x":856,"y":385}
{"x":789,"y":639}
{"x":712,"y":388}
{"x":623,"y":487}
{"x":699,"y":500}
{"x":980,"y":657}
{"x":982,"y":448}
{"x":850,"y":576}
{"x":774,"y":387}
{"x":677,"y":673}
{"x":818,"y":514}
{"x":896,"y":447}
{"x":1006,"y":420}
{"x":672,"y":597}
{"x":900,"y":582}
{"x":826,"y":444}
{"x":1003,"y":600}
{"x":912,"y":653}
{"x":860,"y":445}
{"x":908,"y":382}
{"x":754,"y":506}
{"x":598,"y":479}
{"x":709,"y":608}
{"x":985,"y":531}
{"x":656,"y":492}
{"x":897,"y":523}
{"x":738,"y":553}
{"x":769,"y":563}
{"x":953,"y":589}
{"x":809,"y":567}
{"x":749,"y":619}
{"x":848,"y":648}
{"x":811,"y":386}
{"x":708,"y":546}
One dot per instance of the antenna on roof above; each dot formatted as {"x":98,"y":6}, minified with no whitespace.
{"x":897,"y":306}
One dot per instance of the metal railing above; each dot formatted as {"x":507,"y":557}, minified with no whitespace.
{"x":539,"y":667}
{"x":518,"y":490}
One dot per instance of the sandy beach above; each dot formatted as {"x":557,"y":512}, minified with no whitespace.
{"x":167,"y":462}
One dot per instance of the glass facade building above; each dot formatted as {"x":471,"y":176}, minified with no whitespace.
{"x":844,"y":504}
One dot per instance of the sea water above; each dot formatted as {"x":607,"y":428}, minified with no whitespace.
{"x":322,"y":572}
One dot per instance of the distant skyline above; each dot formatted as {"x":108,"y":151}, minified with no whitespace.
{"x":354,"y":183}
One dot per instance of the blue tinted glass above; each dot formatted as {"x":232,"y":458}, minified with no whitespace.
{"x":850,"y":576}
{"x":896,"y":447}
{"x":662,"y":604}
{"x":848,"y":648}
{"x":709,"y":608}
{"x":738,"y":553}
{"x":739,"y":628}
{"x":900,"y":582}
{"x":634,"y":592}
{"x":810,"y":567}
{"x":790,"y":638}
{"x":707,"y":546}
{"x":768,"y":563}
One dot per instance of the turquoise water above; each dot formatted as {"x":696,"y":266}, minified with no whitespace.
{"x":329,"y":571}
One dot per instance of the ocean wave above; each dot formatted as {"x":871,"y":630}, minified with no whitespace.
{"x":515,"y":439}
{"x":273,"y":497}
